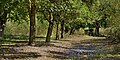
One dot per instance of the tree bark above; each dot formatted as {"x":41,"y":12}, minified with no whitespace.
{"x":66,"y":29}
{"x":1,"y":29}
{"x":49,"y":33}
{"x":50,"y":28}
{"x":32,"y":23}
{"x":62,"y":29}
{"x":2,"y":23}
{"x":57,"y":31}
{"x":97,"y":28}
{"x":72,"y":31}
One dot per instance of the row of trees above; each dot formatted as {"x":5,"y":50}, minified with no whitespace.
{"x":53,"y":11}
{"x":71,"y":15}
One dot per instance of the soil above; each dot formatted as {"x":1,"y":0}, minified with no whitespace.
{"x":63,"y":49}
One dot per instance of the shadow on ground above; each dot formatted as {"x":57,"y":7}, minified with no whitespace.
{"x":14,"y":53}
{"x":58,"y":55}
{"x":91,"y":50}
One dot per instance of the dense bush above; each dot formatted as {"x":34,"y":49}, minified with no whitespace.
{"x":113,"y":33}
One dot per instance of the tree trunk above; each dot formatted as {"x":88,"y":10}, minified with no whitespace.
{"x":57,"y":31}
{"x":1,"y":29}
{"x":32,"y":23}
{"x":50,"y":28}
{"x":97,"y":31}
{"x":71,"y":31}
{"x":62,"y":29}
{"x":97,"y":28}
{"x":66,"y":29}
{"x":2,"y":23}
{"x":49,"y":33}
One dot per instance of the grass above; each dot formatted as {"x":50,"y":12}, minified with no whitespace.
{"x":20,"y":37}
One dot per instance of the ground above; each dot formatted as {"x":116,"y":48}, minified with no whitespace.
{"x":70,"y":48}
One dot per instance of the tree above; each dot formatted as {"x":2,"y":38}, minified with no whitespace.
{"x":111,"y":9}
{"x":62,"y":29}
{"x":14,"y":10}
{"x":6,"y":8}
{"x":56,"y":11}
{"x":57,"y":31}
{"x":50,"y":28}
{"x":32,"y":13}
{"x":46,"y":8}
{"x":11,"y":10}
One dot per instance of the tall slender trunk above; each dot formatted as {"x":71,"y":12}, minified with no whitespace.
{"x":66,"y":29}
{"x":57,"y":31}
{"x":50,"y":28}
{"x":62,"y":29}
{"x":72,"y":31}
{"x":2,"y":24}
{"x":32,"y":23}
{"x":97,"y":28}
{"x":1,"y":29}
{"x":49,"y":33}
{"x":97,"y":32}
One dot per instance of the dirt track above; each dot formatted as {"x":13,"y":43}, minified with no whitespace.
{"x":56,"y":50}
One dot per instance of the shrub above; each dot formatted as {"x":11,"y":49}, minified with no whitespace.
{"x":113,"y":33}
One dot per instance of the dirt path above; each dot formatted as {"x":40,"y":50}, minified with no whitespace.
{"x":72,"y":47}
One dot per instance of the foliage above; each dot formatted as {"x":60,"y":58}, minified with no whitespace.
{"x":114,"y":33}
{"x":14,"y":9}
{"x":113,"y":10}
{"x":62,"y":10}
{"x":75,"y":13}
